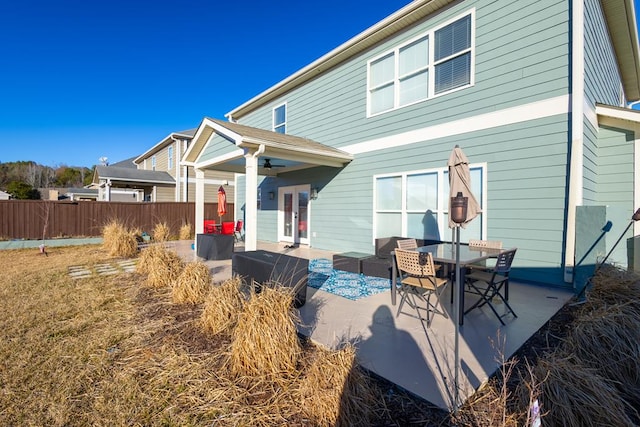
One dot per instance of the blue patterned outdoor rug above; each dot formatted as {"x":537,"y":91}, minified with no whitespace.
{"x":343,"y":283}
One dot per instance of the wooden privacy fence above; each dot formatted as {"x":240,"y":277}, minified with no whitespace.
{"x":28,"y":219}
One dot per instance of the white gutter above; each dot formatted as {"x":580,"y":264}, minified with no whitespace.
{"x":575,"y":196}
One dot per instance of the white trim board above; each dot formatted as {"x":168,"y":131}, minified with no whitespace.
{"x":522,"y":113}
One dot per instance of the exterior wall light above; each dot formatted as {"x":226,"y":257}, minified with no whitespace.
{"x":314,"y":193}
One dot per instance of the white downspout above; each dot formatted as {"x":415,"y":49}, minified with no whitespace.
{"x":251,"y":191}
{"x":575,"y":197}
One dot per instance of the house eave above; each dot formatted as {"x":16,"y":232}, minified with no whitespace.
{"x":624,"y":118}
{"x":167,"y":140}
{"x":621,"y":22}
{"x":408,"y":15}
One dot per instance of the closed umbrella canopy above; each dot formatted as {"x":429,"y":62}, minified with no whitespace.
{"x":460,"y":182}
{"x":222,"y":202}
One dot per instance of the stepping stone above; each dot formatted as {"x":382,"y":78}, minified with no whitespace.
{"x":129,"y":266}
{"x":79,"y":272}
{"x":106,"y":269}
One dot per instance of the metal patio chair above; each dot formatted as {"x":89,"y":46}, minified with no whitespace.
{"x":419,"y":283}
{"x":490,"y":284}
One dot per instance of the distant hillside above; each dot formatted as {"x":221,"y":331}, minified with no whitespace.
{"x":35,"y":175}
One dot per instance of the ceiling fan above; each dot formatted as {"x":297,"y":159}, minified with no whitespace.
{"x":267,"y":164}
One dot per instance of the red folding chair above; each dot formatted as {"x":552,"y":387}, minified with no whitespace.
{"x":209,"y":226}
{"x":228,"y":227}
{"x":238,"y":231}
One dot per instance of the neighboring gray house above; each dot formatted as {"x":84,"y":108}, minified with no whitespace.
{"x":354,"y":146}
{"x":126,"y":184}
{"x":157,"y":175}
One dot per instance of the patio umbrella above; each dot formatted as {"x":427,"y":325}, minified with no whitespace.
{"x":459,"y":184}
{"x":222,"y":202}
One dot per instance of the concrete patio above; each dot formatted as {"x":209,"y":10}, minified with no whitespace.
{"x":400,"y":348}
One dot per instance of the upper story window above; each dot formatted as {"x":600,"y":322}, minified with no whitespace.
{"x":432,"y":64}
{"x":280,"y":119}
{"x":170,"y":157}
{"x":153,"y":163}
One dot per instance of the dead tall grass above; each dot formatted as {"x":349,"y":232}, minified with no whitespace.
{"x":265,"y":340}
{"x":161,"y":265}
{"x":593,"y":377}
{"x":161,"y":232}
{"x":119,"y":241}
{"x":192,"y":284}
{"x":186,"y":232}
{"x":578,"y":396}
{"x":105,"y":351}
{"x":222,"y":307}
{"x":335,"y":392}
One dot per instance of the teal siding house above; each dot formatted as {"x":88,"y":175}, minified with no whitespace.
{"x":354,"y":146}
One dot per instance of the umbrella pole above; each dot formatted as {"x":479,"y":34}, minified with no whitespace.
{"x":456,"y":322}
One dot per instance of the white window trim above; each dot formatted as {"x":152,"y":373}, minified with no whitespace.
{"x":153,"y":162}
{"x":443,"y":225}
{"x":170,"y":157}
{"x":273,"y":117}
{"x":431,"y":66}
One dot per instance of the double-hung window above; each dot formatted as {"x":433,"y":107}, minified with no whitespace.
{"x":280,"y":119}
{"x":416,"y":204}
{"x":153,"y":163}
{"x":170,"y":157}
{"x":431,"y":64}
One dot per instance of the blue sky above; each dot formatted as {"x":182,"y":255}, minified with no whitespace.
{"x":85,"y":79}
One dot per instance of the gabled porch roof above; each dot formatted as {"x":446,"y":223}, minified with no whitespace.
{"x":289,"y":152}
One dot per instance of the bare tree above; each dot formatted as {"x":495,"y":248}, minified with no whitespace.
{"x":33,"y":175}
{"x":48,"y":177}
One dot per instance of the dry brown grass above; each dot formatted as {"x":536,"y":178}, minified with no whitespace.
{"x":161,"y":232}
{"x":222,"y":307}
{"x":118,"y":240}
{"x":107,"y":350}
{"x":593,"y":377}
{"x":192,"y":284}
{"x":186,"y":232}
{"x":335,"y":392}
{"x":578,"y":396}
{"x":161,"y":265}
{"x":265,"y":340}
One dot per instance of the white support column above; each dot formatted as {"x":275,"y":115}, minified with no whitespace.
{"x":251,"y":208}
{"x":107,"y":189}
{"x":199,"y":225}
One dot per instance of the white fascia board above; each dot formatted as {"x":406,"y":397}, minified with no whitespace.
{"x":618,"y":113}
{"x":507,"y":116}
{"x":207,"y":123}
{"x":318,"y":66}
